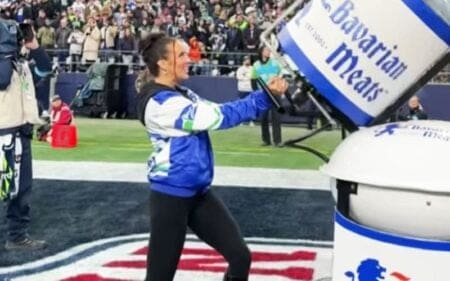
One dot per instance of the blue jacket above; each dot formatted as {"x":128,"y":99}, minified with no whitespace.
{"x":177,"y":122}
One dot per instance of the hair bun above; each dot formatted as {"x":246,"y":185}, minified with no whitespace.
{"x":149,"y":41}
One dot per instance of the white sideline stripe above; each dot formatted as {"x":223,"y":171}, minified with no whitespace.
{"x":144,"y":236}
{"x":224,"y":176}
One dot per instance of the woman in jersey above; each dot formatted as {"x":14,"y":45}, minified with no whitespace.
{"x":181,"y":166}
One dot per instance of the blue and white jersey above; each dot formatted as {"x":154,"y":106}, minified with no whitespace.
{"x":177,"y":122}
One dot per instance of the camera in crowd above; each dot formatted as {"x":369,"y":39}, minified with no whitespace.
{"x":12,"y":35}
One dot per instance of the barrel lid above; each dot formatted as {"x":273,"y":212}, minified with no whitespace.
{"x":413,"y":155}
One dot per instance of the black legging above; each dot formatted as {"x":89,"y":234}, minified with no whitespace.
{"x":206,"y":216}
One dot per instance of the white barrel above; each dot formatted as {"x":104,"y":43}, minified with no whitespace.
{"x":362,"y":253}
{"x":402,"y":171}
{"x":399,"y":213}
{"x":362,"y":56}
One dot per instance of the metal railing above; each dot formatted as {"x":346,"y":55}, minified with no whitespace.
{"x":212,"y":63}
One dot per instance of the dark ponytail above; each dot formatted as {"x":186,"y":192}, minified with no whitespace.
{"x":153,"y":48}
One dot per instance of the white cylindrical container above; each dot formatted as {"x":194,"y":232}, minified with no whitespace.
{"x":363,"y":56}
{"x":397,"y":224}
{"x":363,"y":253}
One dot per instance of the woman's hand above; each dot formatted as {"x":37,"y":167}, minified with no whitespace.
{"x":278,"y":85}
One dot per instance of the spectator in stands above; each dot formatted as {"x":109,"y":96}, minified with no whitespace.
{"x":46,"y":35}
{"x":126,"y":24}
{"x":72,"y":17}
{"x":62,"y":39}
{"x":91,"y":42}
{"x":157,"y":22}
{"x":144,"y":29}
{"x":195,"y":55}
{"x":93,"y":8}
{"x":416,"y":111}
{"x":106,"y":10}
{"x":244,"y":80}
{"x":76,"y":39}
{"x":78,"y":9}
{"x":251,"y":14}
{"x":24,"y":11}
{"x":127,"y":45}
{"x":49,"y":8}
{"x":233,"y":43}
{"x":171,"y":29}
{"x":181,"y":168}
{"x":266,"y":68}
{"x":239,"y":21}
{"x":40,"y":20}
{"x":250,"y":36}
{"x":217,"y":43}
{"x":244,"y":77}
{"x":185,"y":31}
{"x":140,"y":12}
{"x":214,"y":20}
{"x":109,"y":33}
{"x":120,"y":15}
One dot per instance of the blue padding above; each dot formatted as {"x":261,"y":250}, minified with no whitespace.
{"x":430,"y":18}
{"x":385,"y":237}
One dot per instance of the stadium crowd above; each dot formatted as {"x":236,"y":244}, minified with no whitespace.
{"x":220,"y":33}
{"x":80,"y":32}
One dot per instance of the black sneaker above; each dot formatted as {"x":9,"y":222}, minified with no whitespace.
{"x":26,"y":243}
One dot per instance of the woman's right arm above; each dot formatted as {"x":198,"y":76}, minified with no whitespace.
{"x":170,"y":112}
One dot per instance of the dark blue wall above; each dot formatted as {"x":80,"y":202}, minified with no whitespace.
{"x":435,"y":98}
{"x":217,"y":89}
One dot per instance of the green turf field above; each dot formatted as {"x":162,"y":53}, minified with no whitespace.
{"x":115,"y":140}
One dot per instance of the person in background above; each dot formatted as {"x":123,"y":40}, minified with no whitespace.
{"x":109,"y":33}
{"x":195,"y":55}
{"x":127,"y":45}
{"x":144,"y":29}
{"x":19,"y":112}
{"x":244,"y":79}
{"x":59,"y":115}
{"x":250,"y":36}
{"x":78,"y":8}
{"x":76,"y":39}
{"x":416,"y":111}
{"x":181,"y":166}
{"x":92,"y":40}
{"x":62,"y":35}
{"x":39,"y":21}
{"x":46,"y":35}
{"x":266,"y":68}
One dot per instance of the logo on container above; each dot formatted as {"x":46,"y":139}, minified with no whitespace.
{"x":371,"y":270}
